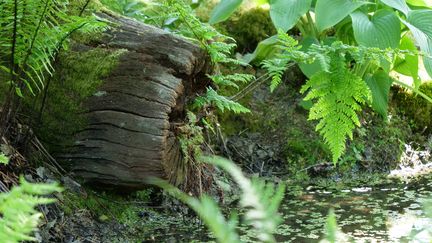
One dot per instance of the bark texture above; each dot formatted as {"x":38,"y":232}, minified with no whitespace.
{"x":131,"y":119}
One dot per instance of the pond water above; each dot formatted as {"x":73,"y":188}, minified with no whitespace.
{"x":381,"y":214}
{"x":385,"y":213}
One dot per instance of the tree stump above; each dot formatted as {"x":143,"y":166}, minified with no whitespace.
{"x":130,"y":132}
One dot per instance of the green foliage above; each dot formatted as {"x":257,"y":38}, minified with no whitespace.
{"x":286,"y":13}
{"x":332,"y":232}
{"x":249,"y":28}
{"x":32,"y":33}
{"x":264,"y":49}
{"x":130,"y":8}
{"x":415,"y":107}
{"x":231,"y":80}
{"x":209,"y":38}
{"x":418,"y":22}
{"x":17,"y":208}
{"x":370,"y":24}
{"x":409,"y":64}
{"x":382,"y":30}
{"x":219,"y":50}
{"x":223,"y":10}
{"x":339,"y":95}
{"x":4,"y":159}
{"x":342,"y":79}
{"x":276,"y":67}
{"x":379,"y":84}
{"x":261,"y":201}
{"x":330,"y":12}
{"x":191,"y":139}
{"x":222,"y":103}
{"x":207,"y":210}
{"x":331,"y":227}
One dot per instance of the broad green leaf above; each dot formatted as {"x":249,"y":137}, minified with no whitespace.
{"x":409,"y":65}
{"x":397,"y":4}
{"x":286,"y":13}
{"x":379,"y":83}
{"x":223,"y":10}
{"x":264,"y":49}
{"x":420,"y":3}
{"x":261,"y":2}
{"x":382,"y":30}
{"x":330,"y":12}
{"x":420,"y":24}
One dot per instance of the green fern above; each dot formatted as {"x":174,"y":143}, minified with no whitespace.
{"x":231,"y":80}
{"x":31,"y":34}
{"x":212,"y":98}
{"x":289,"y":53}
{"x":260,"y":200}
{"x":4,"y":159}
{"x":219,"y":48}
{"x":17,"y":208}
{"x":206,"y":208}
{"x":275,"y":68}
{"x":18,"y":216}
{"x":339,"y":95}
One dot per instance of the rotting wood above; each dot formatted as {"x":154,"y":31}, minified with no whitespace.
{"x":129,"y":137}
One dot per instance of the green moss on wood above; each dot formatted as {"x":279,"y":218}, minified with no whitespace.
{"x":416,"y":108}
{"x":78,"y":76}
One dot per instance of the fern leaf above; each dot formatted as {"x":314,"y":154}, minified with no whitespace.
{"x":231,"y":80}
{"x":261,"y":199}
{"x":39,"y":30}
{"x":208,"y":211}
{"x":221,"y":102}
{"x":338,"y":96}
{"x":17,"y":207}
{"x":275,"y":68}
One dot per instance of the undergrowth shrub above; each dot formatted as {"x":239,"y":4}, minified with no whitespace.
{"x":415,"y":107}
{"x":251,"y":27}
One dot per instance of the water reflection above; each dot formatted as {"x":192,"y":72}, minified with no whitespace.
{"x":386,"y":214}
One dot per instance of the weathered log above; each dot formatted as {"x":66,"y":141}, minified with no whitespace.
{"x":129,"y":133}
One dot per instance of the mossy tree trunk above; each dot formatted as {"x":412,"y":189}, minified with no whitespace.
{"x":127,"y":123}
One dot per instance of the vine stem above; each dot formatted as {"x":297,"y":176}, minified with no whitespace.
{"x":250,"y":87}
{"x":414,"y":90}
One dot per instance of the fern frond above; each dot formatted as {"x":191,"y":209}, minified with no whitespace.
{"x":261,"y":199}
{"x":338,"y":96}
{"x":231,"y":80}
{"x":289,"y":53}
{"x":35,"y":30}
{"x":207,"y":210}
{"x":17,"y":207}
{"x":212,"y":98}
{"x":275,"y":68}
